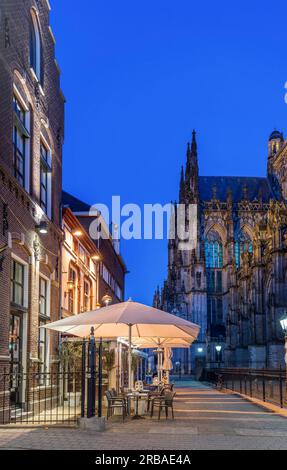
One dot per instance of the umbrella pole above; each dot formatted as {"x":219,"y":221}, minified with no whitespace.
{"x":130,"y":357}
{"x":167,"y":376}
{"x":159,"y":364}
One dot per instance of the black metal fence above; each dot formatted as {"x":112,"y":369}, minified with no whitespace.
{"x":40,"y":397}
{"x":58,"y":395}
{"x":267,"y":385}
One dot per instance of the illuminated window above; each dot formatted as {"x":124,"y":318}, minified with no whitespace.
{"x":83,"y":255}
{"x":71,"y":296}
{"x":242,"y":245}
{"x":213,"y":251}
{"x":68,"y":237}
{"x":87,"y":297}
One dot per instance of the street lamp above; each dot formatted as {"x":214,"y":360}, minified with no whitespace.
{"x":178,"y":367}
{"x":218,"y":349}
{"x":283,"y":322}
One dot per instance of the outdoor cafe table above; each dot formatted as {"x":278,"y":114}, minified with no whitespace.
{"x":137,"y":396}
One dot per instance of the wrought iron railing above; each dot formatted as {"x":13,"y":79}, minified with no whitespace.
{"x":268,"y":385}
{"x":40,"y":397}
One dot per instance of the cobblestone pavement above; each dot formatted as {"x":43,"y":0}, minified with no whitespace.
{"x":204,"y":419}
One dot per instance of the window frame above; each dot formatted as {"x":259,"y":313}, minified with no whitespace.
{"x":20,"y":133}
{"x":14,"y":283}
{"x":240,"y":246}
{"x":46,"y":171}
{"x":83,"y":254}
{"x":46,"y":297}
{"x":213,"y":254}
{"x":35,"y":46}
{"x":87,"y":296}
{"x":71,"y":293}
{"x":42,"y":340}
{"x":44,"y":318}
{"x":19,"y":157}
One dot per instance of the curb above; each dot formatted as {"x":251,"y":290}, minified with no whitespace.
{"x":262,"y":404}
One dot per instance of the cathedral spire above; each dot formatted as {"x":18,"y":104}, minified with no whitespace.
{"x":188,"y":150}
{"x":188,"y":155}
{"x":194,"y":145}
{"x":191,"y":172}
{"x":182,"y":187}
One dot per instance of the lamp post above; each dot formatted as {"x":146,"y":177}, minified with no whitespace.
{"x":283,"y":323}
{"x":218,"y":349}
{"x":178,"y":368}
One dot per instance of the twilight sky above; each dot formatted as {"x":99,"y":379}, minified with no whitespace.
{"x":140,"y":75}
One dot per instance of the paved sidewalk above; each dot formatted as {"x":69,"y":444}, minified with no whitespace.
{"x":204,"y":419}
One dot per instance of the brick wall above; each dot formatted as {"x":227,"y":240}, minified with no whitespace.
{"x":86,"y":270}
{"x":111,"y":260}
{"x":45,"y":103}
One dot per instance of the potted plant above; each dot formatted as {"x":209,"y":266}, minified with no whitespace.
{"x":71,"y":362}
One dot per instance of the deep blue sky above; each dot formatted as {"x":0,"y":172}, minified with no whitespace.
{"x":139,"y":75}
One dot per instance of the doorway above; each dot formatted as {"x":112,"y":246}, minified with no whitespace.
{"x":15,"y":350}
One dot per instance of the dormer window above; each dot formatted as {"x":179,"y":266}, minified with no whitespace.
{"x":35,"y":46}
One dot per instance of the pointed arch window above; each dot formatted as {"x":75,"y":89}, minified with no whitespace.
{"x":35,"y":46}
{"x":213,"y":250}
{"x":243,"y":244}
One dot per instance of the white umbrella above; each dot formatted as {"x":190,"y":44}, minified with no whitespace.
{"x":127,"y":319}
{"x":167,"y":363}
{"x":162,"y":343}
{"x":150,"y":343}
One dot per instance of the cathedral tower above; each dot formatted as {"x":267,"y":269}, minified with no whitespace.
{"x":233,"y":284}
{"x":191,"y":172}
{"x":276,"y":140}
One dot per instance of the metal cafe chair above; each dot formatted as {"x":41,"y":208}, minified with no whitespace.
{"x":158,"y":393}
{"x":164,"y":401}
{"x":154,"y":394}
{"x":115,"y":402}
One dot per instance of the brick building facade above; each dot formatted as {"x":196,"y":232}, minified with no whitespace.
{"x":80,"y":261}
{"x":31,"y":137}
{"x":102,"y":259}
{"x":93,"y":274}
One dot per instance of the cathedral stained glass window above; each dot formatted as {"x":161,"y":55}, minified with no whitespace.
{"x":213,"y":251}
{"x":242,"y":245}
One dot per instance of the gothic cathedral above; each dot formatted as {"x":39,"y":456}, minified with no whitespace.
{"x":234,"y":283}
